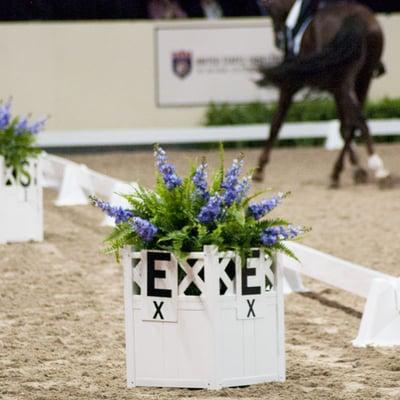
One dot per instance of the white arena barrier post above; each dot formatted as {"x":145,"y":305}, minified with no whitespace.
{"x":334,"y":140}
{"x":293,"y":282}
{"x":380,"y":325}
{"x":116,"y":200}
{"x":76,"y":186}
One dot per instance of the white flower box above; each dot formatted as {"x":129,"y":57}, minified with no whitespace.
{"x":232,"y":334}
{"x":21,"y":205}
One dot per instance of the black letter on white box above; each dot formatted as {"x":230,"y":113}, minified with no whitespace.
{"x":158,"y":310}
{"x":153,"y":274}
{"x":246,"y":289}
{"x":251,"y":312}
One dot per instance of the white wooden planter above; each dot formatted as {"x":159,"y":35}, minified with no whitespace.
{"x":21,"y":205}
{"x":231,"y":334}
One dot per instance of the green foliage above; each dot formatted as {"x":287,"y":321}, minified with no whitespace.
{"x":17,"y":149}
{"x":302,"y":111}
{"x":175,"y":212}
{"x":17,"y":140}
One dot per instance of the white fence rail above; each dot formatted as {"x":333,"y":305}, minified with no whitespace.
{"x":328,"y":130}
{"x":380,"y":324}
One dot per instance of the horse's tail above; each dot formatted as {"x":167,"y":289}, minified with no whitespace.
{"x":380,"y":70}
{"x":345,"y":47}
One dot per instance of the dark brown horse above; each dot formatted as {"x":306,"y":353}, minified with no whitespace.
{"x":340,"y":52}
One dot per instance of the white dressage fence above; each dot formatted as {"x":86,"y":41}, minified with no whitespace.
{"x":380,"y":323}
{"x":328,"y":130}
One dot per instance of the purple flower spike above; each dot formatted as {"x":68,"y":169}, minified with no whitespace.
{"x":272,"y":235}
{"x":230,"y":183}
{"x":37,"y":126}
{"x":167,"y":170}
{"x":200,"y":181}
{"x":243,"y":188}
{"x":145,"y":229}
{"x":5,"y":114}
{"x":258,"y":210}
{"x":211,"y":211}
{"x":118,"y":213}
{"x":21,"y":126}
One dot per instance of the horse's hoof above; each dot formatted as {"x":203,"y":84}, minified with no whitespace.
{"x":360,"y":176}
{"x":334,"y":184}
{"x":386,"y":183}
{"x":258,"y":175}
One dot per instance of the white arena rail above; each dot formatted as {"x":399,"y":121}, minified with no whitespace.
{"x":380,"y":324}
{"x":328,"y":130}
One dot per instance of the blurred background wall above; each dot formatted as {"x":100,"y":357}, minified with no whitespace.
{"x":100,"y":75}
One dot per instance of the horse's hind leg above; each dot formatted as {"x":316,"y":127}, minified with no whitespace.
{"x":348,"y":110}
{"x":363,"y":82}
{"x":360,"y":175}
{"x":362,"y":85}
{"x":285,"y":100}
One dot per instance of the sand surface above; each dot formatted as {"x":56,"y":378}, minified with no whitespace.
{"x":61,"y":301}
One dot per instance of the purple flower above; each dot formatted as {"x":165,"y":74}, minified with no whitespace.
{"x":21,"y":126}
{"x":230,"y":183}
{"x":167,"y":170}
{"x":258,"y":210}
{"x":118,"y":213}
{"x":37,"y":126}
{"x":243,"y":188}
{"x":5,"y":114}
{"x":200,"y":181}
{"x":210,"y":212}
{"x":272,"y":235}
{"x":145,"y":229}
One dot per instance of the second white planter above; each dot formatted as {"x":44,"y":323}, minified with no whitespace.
{"x":21,"y":204}
{"x":204,"y":322}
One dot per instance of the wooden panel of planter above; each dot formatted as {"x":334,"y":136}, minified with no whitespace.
{"x":204,"y":322}
{"x":21,"y":204}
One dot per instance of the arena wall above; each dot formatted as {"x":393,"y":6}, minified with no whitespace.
{"x":100,"y":75}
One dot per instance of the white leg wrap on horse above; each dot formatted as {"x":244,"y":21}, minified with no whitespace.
{"x":375,"y":163}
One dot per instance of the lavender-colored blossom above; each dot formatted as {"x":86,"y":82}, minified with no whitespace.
{"x":5,"y":114}
{"x":272,"y":235}
{"x":258,"y":210}
{"x":210,"y":212}
{"x":118,"y":213}
{"x":231,"y":182}
{"x":200,"y":181}
{"x":145,"y":229}
{"x":167,"y":170}
{"x":231,"y":177}
{"x":243,"y":188}
{"x":37,"y":127}
{"x":21,"y":126}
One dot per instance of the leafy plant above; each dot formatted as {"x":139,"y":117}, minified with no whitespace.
{"x":18,"y":139}
{"x":302,"y":111}
{"x":184,"y":214}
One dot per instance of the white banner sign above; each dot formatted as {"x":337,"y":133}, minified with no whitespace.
{"x":196,"y":66}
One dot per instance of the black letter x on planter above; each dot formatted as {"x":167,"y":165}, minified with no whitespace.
{"x":158,"y":310}
{"x":251,"y":312}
